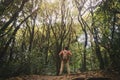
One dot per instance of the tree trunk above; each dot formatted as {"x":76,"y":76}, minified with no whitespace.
{"x":83,"y":25}
{"x":15,"y":15}
{"x":11,"y":49}
{"x":59,"y":47}
{"x":3,"y":51}
{"x":97,"y":49}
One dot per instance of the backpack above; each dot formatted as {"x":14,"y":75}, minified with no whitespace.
{"x":65,"y":55}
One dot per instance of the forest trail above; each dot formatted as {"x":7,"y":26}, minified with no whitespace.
{"x":78,"y":76}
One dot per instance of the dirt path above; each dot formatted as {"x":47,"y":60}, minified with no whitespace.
{"x":41,"y":77}
{"x":80,"y":76}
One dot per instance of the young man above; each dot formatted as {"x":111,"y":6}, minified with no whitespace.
{"x":65,"y":56}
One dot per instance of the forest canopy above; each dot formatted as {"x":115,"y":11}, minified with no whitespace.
{"x":33,"y":32}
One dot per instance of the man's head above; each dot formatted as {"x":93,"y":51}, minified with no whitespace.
{"x":66,"y":48}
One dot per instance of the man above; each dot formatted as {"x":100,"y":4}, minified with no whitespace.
{"x":65,"y":56}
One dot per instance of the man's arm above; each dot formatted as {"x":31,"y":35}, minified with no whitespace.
{"x":60,"y":53}
{"x":70,"y":53}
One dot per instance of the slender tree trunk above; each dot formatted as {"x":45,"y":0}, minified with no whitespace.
{"x":23,"y":45}
{"x":4,"y":50}
{"x":12,"y":50}
{"x":82,"y":23}
{"x":112,"y":47}
{"x":15,"y":15}
{"x":95,"y":37}
{"x":97,"y":49}
{"x":59,"y":47}
{"x":32,"y":36}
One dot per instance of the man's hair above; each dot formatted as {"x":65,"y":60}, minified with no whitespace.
{"x":66,"y":48}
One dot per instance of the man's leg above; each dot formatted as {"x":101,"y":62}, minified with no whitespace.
{"x":61,"y":67}
{"x":68,"y":68}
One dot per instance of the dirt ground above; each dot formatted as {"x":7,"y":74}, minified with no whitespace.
{"x":78,"y":76}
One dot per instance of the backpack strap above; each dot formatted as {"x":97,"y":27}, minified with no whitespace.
{"x":65,"y":55}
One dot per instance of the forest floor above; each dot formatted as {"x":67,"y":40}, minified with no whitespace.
{"x":91,"y":75}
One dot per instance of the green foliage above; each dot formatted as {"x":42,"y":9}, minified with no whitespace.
{"x":28,"y":63}
{"x":107,"y":15}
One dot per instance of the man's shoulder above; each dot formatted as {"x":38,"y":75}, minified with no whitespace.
{"x":69,"y":52}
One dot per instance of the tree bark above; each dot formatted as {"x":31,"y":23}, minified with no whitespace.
{"x":3,"y":51}
{"x":15,"y":15}
{"x":97,"y":49}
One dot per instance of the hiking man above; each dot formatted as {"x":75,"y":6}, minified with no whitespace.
{"x":65,"y":56}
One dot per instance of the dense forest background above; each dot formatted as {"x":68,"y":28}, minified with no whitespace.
{"x":32,"y":33}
